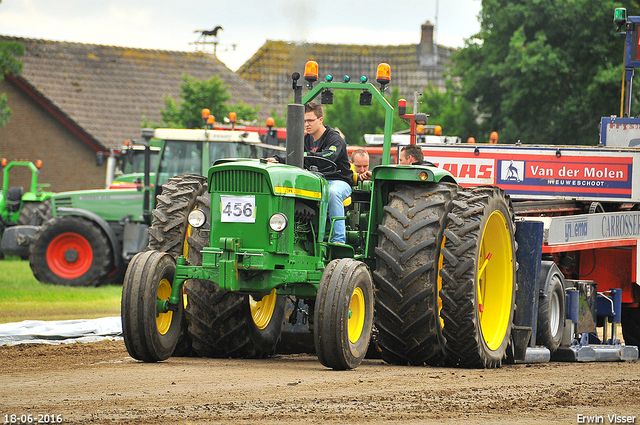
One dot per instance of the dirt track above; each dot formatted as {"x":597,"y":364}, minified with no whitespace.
{"x":98,"y":383}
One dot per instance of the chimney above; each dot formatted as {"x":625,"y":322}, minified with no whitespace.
{"x":427,"y":34}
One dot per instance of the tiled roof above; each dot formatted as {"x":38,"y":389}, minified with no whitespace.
{"x":413,"y":66}
{"x":109,"y":90}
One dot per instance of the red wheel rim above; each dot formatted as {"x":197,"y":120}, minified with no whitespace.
{"x":69,"y":255}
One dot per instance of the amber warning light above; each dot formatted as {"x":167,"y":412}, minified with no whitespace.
{"x":311,"y":71}
{"x":383,"y":75}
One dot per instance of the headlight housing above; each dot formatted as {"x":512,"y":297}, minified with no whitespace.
{"x":278,"y":222}
{"x":197,"y":218}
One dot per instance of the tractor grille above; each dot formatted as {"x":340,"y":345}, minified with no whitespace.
{"x":63,"y":202}
{"x":238,"y":181}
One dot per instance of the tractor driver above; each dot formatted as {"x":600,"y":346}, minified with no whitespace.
{"x":325,"y":142}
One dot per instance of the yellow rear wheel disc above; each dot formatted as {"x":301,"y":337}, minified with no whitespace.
{"x":356,"y":315}
{"x":496,"y":281}
{"x":163,"y":320}
{"x":262,"y":311}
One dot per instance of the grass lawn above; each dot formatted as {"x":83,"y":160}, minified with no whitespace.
{"x":22,"y":297}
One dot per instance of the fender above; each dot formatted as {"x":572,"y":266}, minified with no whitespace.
{"x":115,"y":244}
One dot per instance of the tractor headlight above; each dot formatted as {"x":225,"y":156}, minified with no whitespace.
{"x":278,"y":222}
{"x":197,"y":218}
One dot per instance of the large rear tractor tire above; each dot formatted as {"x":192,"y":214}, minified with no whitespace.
{"x":343,"y":315}
{"x":35,"y":213}
{"x":71,"y":250}
{"x":551,"y":308}
{"x":170,"y":229}
{"x":227,"y":324}
{"x":150,"y":334}
{"x":478,"y":278}
{"x":406,"y":276}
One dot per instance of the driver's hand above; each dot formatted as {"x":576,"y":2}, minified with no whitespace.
{"x":364,"y":176}
{"x":271,"y":160}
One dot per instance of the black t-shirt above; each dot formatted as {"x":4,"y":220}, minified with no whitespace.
{"x":333,"y":147}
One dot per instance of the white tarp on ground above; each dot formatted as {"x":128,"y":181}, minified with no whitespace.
{"x":60,"y":332}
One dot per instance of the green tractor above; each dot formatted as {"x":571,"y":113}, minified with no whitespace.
{"x":94,"y":233}
{"x":20,"y":208}
{"x":435,"y":261}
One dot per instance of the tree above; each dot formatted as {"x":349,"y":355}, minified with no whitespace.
{"x":355,"y":120}
{"x":543,"y":71}
{"x":198,"y":94}
{"x":448,"y":109}
{"x":9,"y":51}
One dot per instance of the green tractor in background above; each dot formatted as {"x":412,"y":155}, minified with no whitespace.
{"x":440,"y":259}
{"x":18,"y":207}
{"x":94,"y":233}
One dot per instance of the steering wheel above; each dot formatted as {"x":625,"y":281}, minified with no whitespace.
{"x":318,"y":164}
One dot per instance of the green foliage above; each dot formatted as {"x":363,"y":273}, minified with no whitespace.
{"x":544,"y":71}
{"x":9,"y":51}
{"x":452,"y":112}
{"x":24,"y":298}
{"x":279,"y":121}
{"x":354,"y":120}
{"x":198,"y":94}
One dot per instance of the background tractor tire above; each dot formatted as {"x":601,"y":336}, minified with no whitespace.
{"x":169,"y":229}
{"x":227,"y":324}
{"x":343,"y":315}
{"x":631,"y":325}
{"x":148,"y":335}
{"x":406,"y":276}
{"x":551,"y":307}
{"x":71,"y":250}
{"x":35,"y":213}
{"x":478,"y":299}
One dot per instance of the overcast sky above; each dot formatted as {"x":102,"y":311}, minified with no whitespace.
{"x":170,"y":25}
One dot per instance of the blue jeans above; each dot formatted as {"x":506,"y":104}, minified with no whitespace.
{"x":338,"y":191}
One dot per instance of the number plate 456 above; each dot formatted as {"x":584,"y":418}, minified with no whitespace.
{"x":237,"y":209}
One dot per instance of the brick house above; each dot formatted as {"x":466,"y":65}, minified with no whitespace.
{"x":413,"y":66}
{"x":74,"y":100}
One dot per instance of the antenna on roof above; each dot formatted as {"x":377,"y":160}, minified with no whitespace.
{"x":435,"y":32}
{"x":203,"y":40}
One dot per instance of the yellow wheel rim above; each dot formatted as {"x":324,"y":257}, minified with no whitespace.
{"x":356,"y":315}
{"x":262,"y":311}
{"x":495,"y":280}
{"x":163,"y":320}
{"x":439,"y":280}
{"x":185,"y":245}
{"x":185,"y":252}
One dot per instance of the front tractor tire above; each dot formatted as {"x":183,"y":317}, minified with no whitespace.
{"x":71,"y":250}
{"x":406,"y":276}
{"x":227,"y":324}
{"x":478,"y":278}
{"x":150,"y":334}
{"x":343,"y":315}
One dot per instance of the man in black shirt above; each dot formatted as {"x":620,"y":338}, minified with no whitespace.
{"x":323,"y":141}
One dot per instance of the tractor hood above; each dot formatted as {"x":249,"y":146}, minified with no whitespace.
{"x":282,"y":180}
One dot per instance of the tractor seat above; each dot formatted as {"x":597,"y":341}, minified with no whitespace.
{"x":14,"y":197}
